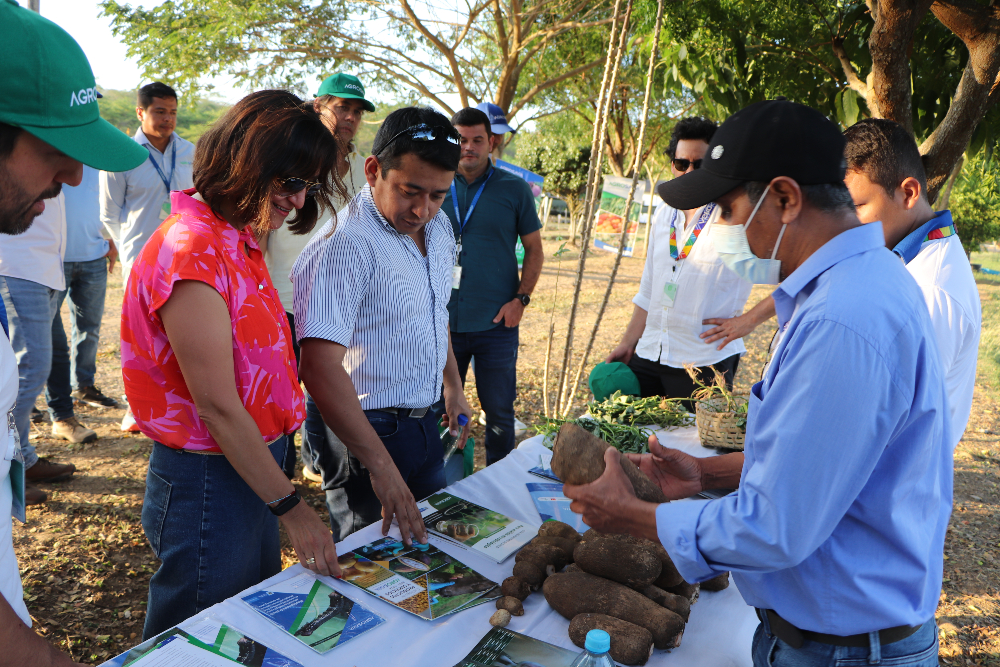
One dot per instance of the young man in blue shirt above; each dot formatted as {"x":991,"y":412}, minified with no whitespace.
{"x":489,"y":209}
{"x":836,"y":532}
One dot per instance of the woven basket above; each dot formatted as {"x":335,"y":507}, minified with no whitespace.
{"x":720,"y":429}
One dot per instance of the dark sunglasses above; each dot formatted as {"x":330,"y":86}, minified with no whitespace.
{"x":680,"y":164}
{"x":291,"y":186}
{"x":425,"y":132}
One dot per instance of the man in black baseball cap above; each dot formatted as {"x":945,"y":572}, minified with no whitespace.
{"x":836,"y":532}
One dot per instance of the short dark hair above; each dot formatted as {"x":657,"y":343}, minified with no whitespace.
{"x":8,"y":139}
{"x":470,"y":117}
{"x":442,"y":153}
{"x":266,"y":136}
{"x":827,"y":197}
{"x":695,"y":127}
{"x":145,"y":96}
{"x":885,"y":153}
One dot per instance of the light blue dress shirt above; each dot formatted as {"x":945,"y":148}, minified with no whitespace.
{"x":84,"y":242}
{"x":846,"y":489}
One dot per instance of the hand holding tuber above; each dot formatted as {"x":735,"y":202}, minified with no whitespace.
{"x":677,"y":474}
{"x":609,"y":504}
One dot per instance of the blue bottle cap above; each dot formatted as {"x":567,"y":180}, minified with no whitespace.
{"x":598,"y":641}
{"x":462,"y":420}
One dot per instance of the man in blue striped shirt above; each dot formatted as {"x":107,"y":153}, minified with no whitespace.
{"x":370,"y":293}
{"x":836,"y":533}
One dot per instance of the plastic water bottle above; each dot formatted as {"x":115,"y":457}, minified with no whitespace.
{"x":449,"y":441}
{"x":595,"y":651}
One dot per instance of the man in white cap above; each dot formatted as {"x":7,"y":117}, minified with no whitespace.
{"x":49,"y":125}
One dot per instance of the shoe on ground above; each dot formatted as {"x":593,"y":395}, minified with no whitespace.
{"x":71,"y":429}
{"x":45,"y":470}
{"x":37,"y":416}
{"x":311,"y":475}
{"x":95,"y":397}
{"x":33,"y":495}
{"x":128,"y":422}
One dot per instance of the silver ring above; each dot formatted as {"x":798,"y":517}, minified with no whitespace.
{"x":310,"y":561}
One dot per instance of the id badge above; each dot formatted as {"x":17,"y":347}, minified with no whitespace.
{"x":456,"y":276}
{"x":16,"y":458}
{"x":164,"y":210}
{"x":670,"y":294}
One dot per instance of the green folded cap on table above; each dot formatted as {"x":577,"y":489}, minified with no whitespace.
{"x":606,"y":379}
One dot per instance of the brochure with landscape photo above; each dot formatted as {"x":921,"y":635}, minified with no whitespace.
{"x":552,"y":504}
{"x":503,"y":648}
{"x":422,"y":580}
{"x":207,"y":642}
{"x":312,"y":612}
{"x":472,"y":527}
{"x":544,"y":471}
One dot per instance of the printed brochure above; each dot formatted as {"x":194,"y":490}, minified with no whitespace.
{"x":552,"y":504}
{"x":475,"y":528}
{"x":420,"y":579}
{"x":313,"y":612}
{"x":502,"y":647}
{"x":207,"y":642}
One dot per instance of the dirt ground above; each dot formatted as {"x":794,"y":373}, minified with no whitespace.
{"x":85,"y":562}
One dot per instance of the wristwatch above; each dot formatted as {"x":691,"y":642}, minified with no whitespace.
{"x":285,"y":504}
{"x":523,"y":298}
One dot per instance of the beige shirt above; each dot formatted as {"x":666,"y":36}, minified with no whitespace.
{"x":283,"y":247}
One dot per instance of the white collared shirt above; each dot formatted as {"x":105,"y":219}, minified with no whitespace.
{"x":132,"y":201}
{"x":706,"y":288}
{"x":942,"y":271}
{"x":37,"y":254}
{"x":283,"y":247}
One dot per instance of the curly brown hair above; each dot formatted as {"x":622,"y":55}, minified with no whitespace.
{"x":267,"y":136}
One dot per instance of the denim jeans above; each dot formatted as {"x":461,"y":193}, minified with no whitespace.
{"x":415,"y":448}
{"x":30,"y":308}
{"x":918,"y":650}
{"x":74,"y":361}
{"x":495,"y":351}
{"x":214,"y":535}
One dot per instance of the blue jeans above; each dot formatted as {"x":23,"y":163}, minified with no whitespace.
{"x":214,"y":535}
{"x":495,"y":351}
{"x":30,"y":309}
{"x":918,"y":650}
{"x":86,"y":286}
{"x":415,"y":448}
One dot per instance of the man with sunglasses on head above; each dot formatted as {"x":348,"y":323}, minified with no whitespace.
{"x":340,"y":102}
{"x":371,"y":312}
{"x":684,"y":281}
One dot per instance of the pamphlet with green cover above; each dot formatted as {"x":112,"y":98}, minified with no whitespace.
{"x":420,"y":579}
{"x":473,"y":527}
{"x":503,"y":647}
{"x":312,"y":612}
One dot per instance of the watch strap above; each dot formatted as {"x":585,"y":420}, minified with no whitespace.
{"x":286,"y":504}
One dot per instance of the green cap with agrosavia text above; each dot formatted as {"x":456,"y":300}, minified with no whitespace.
{"x":346,"y":86}
{"x":47,"y":89}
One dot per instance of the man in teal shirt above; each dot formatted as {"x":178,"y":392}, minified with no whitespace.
{"x":489,"y":209}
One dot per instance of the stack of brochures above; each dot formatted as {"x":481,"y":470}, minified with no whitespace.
{"x":420,"y":579}
{"x":473,"y":527}
{"x":503,"y":647}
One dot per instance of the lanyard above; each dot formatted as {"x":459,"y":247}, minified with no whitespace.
{"x":703,"y":219}
{"x":173,"y":165}
{"x":468,"y":214}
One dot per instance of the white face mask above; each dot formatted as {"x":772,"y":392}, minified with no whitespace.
{"x":734,"y":249}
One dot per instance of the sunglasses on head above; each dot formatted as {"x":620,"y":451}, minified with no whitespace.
{"x":425,"y":132}
{"x":681,"y":164}
{"x":291,"y":186}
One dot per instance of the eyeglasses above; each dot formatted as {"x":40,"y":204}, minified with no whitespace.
{"x":681,"y":164}
{"x":291,"y":186}
{"x":425,"y":132}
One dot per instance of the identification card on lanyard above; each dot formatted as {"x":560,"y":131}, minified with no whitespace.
{"x":167,"y":180}
{"x":456,"y":270}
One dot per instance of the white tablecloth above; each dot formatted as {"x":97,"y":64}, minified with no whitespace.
{"x":718,"y":634}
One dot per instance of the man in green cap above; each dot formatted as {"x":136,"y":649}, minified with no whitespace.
{"x":340,"y":102}
{"x":49,"y":125}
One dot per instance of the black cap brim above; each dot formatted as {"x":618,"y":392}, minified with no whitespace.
{"x":695,"y":189}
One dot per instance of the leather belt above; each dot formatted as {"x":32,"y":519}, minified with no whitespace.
{"x":415,"y":413}
{"x":796,"y":637}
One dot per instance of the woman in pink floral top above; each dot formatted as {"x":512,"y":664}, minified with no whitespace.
{"x":208,"y":364}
